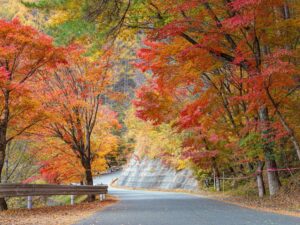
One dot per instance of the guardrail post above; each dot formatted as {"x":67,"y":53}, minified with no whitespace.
{"x":29,"y":202}
{"x":72,"y":199}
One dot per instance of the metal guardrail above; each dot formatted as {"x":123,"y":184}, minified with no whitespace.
{"x":21,"y":190}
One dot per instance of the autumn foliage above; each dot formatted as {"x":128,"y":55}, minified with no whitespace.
{"x":221,"y":91}
{"x":226,"y":71}
{"x":52,"y":97}
{"x":78,"y":123}
{"x":221,"y":73}
{"x":25,"y":52}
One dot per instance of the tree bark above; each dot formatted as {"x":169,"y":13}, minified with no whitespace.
{"x":88,"y":167}
{"x":260,"y":180}
{"x":89,"y":178}
{"x":3,"y":205}
{"x":3,"y":141}
{"x":217,"y":175}
{"x":273,"y":178}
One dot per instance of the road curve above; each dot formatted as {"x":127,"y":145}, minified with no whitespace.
{"x":160,"y":208}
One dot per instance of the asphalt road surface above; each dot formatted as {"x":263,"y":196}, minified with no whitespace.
{"x":160,"y":208}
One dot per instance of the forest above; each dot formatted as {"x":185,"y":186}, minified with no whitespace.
{"x":209,"y":85}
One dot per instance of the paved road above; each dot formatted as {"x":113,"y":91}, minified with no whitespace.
{"x":158,"y":208}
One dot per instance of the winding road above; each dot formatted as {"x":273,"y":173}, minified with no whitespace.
{"x":161,"y":208}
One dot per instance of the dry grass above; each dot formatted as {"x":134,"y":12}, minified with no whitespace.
{"x":56,"y":215}
{"x":287,"y":201}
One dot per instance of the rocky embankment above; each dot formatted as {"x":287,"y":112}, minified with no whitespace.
{"x":153,"y":174}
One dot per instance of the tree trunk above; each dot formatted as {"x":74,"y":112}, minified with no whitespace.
{"x":88,"y":167}
{"x":273,"y":178}
{"x":260,"y":180}
{"x":2,"y":156}
{"x":89,"y":178}
{"x":3,"y":205}
{"x":3,"y":141}
{"x":217,"y":175}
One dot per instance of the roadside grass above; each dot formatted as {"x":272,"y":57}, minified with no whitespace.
{"x":287,"y":199}
{"x":44,"y":201}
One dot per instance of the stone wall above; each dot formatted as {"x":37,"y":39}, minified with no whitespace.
{"x":149,"y":173}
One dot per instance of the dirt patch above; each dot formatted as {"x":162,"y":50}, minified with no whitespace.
{"x":56,"y":215}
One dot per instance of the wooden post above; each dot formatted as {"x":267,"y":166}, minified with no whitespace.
{"x":100,"y":197}
{"x":104,"y":196}
{"x":72,"y":199}
{"x":29,"y":202}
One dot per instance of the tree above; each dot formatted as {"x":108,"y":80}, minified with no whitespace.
{"x":25,"y":52}
{"x":72,"y":97}
{"x":58,"y":162}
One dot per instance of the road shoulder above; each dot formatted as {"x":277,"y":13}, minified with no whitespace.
{"x":54,"y":215}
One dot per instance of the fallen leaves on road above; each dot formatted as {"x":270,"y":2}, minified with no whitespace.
{"x":56,"y":215}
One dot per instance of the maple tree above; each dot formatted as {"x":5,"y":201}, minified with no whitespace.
{"x":25,"y":52}
{"x":72,"y":97}
{"x":60,"y":164}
